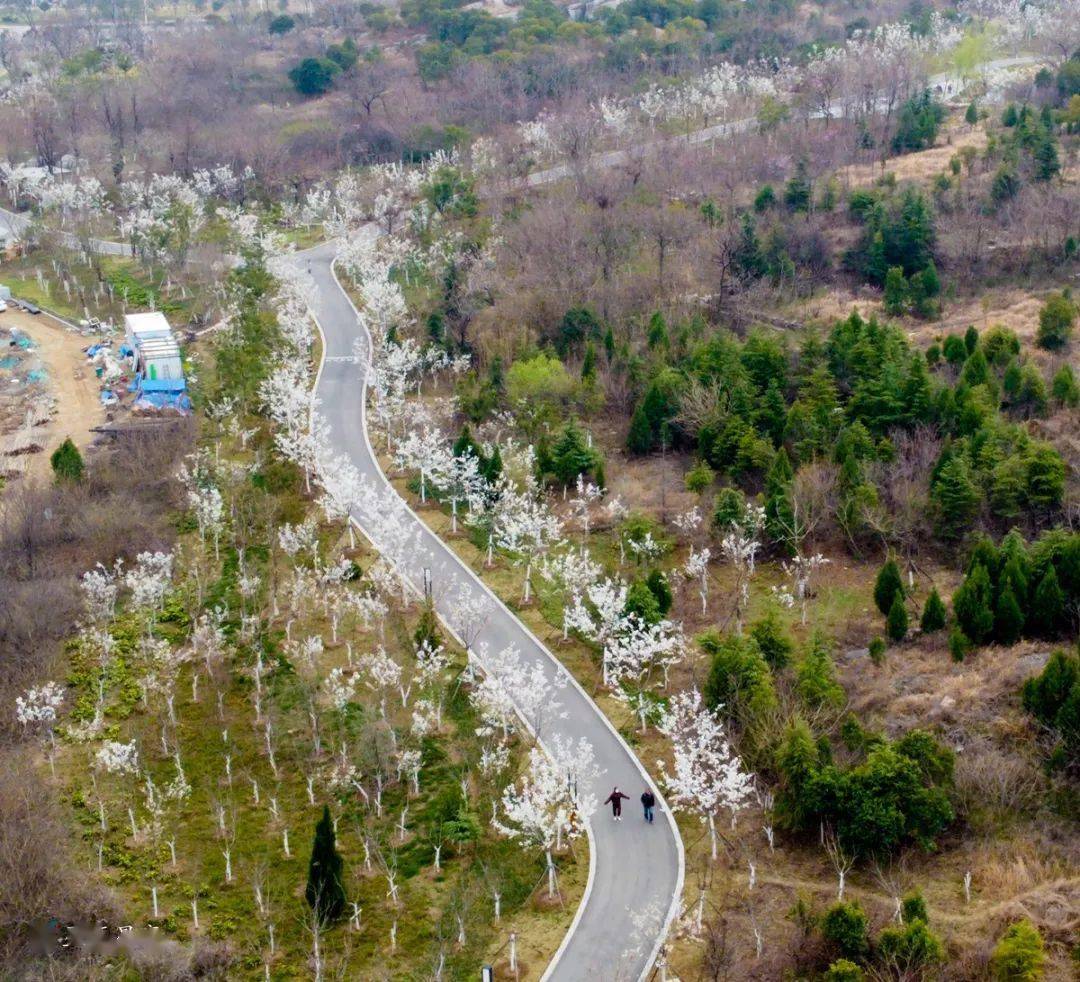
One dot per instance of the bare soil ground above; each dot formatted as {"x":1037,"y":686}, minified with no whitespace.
{"x":69,"y":384}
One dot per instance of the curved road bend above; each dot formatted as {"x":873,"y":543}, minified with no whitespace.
{"x":636,"y":870}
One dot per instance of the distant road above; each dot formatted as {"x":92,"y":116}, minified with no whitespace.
{"x":946,"y":84}
{"x":15,"y":223}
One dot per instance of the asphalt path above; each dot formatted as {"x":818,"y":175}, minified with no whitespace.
{"x":636,"y":870}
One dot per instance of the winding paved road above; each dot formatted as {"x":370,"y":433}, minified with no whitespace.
{"x":636,"y":870}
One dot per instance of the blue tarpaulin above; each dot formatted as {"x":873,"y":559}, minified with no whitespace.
{"x":160,"y":384}
{"x":177,"y":401}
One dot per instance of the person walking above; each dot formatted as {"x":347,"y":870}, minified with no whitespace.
{"x":615,"y":799}
{"x":648,"y":802}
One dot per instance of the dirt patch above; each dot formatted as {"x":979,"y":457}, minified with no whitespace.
{"x":64,"y":403}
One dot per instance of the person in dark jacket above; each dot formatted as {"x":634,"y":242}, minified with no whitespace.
{"x":615,"y":799}
{"x":648,"y":802}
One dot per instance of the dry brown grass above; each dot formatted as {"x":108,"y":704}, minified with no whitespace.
{"x":924,"y":164}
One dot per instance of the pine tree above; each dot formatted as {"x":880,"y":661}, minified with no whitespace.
{"x":1019,"y":955}
{"x":971,"y":114}
{"x":657,"y":334}
{"x":1056,"y":320}
{"x":959,"y":644}
{"x":1048,"y":605}
{"x":896,"y":624}
{"x":640,"y":438}
{"x":465,"y":444}
{"x":1008,"y":618}
{"x":815,"y":679}
{"x":67,"y":462}
{"x":491,"y":469}
{"x":325,"y":893}
{"x":778,"y":514}
{"x":775,"y":644}
{"x":934,"y":614}
{"x":570,"y":456}
{"x":887,"y":586}
{"x":896,"y":291}
{"x":1064,"y":388}
{"x":588,"y":364}
{"x":955,"y":498}
{"x":972,"y":605}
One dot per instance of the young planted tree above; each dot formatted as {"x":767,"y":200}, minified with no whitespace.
{"x":896,"y":624}
{"x":325,"y":892}
{"x":934,"y":614}
{"x":887,"y":586}
{"x":707,"y":775}
{"x":67,"y":462}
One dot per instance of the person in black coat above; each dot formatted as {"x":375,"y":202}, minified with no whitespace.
{"x":615,"y":799}
{"x":648,"y":802}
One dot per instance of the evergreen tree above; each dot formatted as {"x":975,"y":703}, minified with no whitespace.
{"x":765,"y":198}
{"x":657,"y":583}
{"x":1005,"y":185}
{"x":815,"y":679}
{"x":325,"y":893}
{"x":1019,"y":955}
{"x":843,"y":970}
{"x":955,"y":350}
{"x":1045,"y":156}
{"x":465,"y":444}
{"x":599,"y":477}
{"x":955,"y":498}
{"x":729,"y":509}
{"x":773,"y":641}
{"x":1012,"y":379}
{"x":609,"y":343}
{"x":971,"y":114}
{"x":913,"y":949}
{"x":1008,"y":618}
{"x":657,"y":333}
{"x":749,"y":259}
{"x":924,"y":288}
{"x":739,"y":678}
{"x":887,"y":586}
{"x":570,"y":456}
{"x":1046,"y":694}
{"x":896,"y":624}
{"x":427,"y":633}
{"x":972,"y":604}
{"x":934,"y":614}
{"x":896,"y":291}
{"x":797,"y":192}
{"x":778,"y":514}
{"x":67,"y":462}
{"x":1056,"y":321}
{"x":640,"y":439}
{"x":959,"y":644}
{"x":491,"y":469}
{"x":1048,"y":605}
{"x":846,"y":927}
{"x":1065,"y":390}
{"x":588,"y":364}
{"x":772,"y":414}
